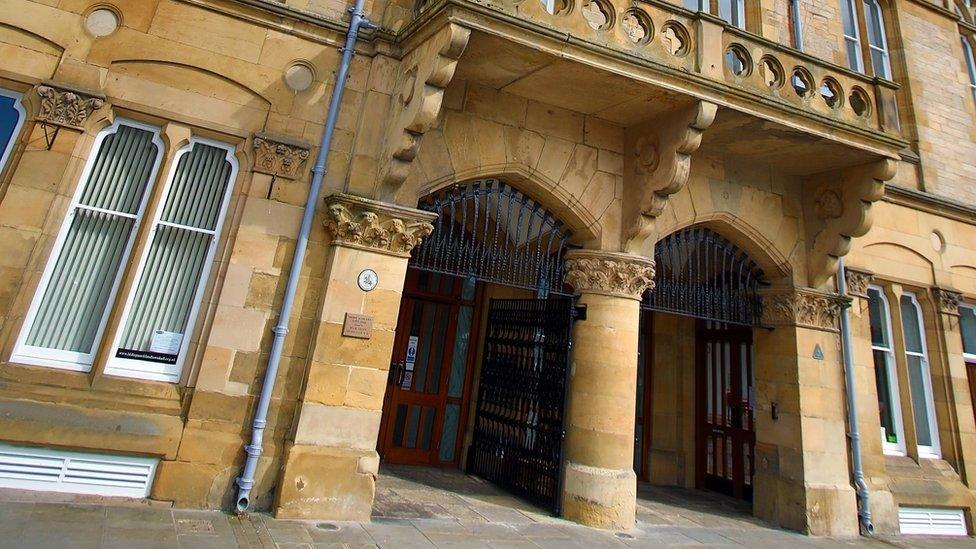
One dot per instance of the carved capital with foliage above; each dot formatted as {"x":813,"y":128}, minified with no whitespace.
{"x":609,"y":273}
{"x":947,"y":301}
{"x":66,"y":106}
{"x":279,"y":155}
{"x":858,"y":282}
{"x":356,"y":222}
{"x":802,"y":307}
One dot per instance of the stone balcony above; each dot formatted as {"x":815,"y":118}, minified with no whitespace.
{"x":684,"y":56}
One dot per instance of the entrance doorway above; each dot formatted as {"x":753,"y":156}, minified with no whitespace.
{"x":704,"y":373}
{"x":480,"y":360}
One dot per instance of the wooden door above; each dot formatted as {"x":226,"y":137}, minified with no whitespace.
{"x":726,"y":431}
{"x":424,"y":407}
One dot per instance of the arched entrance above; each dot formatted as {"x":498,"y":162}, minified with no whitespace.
{"x":706,"y":294}
{"x":478,"y":375}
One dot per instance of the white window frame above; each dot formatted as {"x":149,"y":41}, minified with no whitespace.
{"x":891,"y":374}
{"x":876,"y":10}
{"x":851,"y":7}
{"x":967,"y":53}
{"x":968,"y":358}
{"x":71,"y":360}
{"x":933,"y":451}
{"x":155,"y":371}
{"x":15,"y":134}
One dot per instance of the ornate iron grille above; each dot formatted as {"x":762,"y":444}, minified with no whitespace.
{"x":701,"y":274}
{"x":493,"y":232}
{"x":518,"y":430}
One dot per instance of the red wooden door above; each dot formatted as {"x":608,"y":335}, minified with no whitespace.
{"x":726,"y":430}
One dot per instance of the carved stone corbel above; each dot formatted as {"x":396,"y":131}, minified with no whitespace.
{"x":858,"y":282}
{"x":425,"y":72}
{"x":280,"y":155}
{"x":657,"y":165}
{"x":802,"y":307}
{"x":356,"y":222}
{"x":609,"y":273}
{"x":836,"y":209}
{"x":947,"y":301}
{"x":66,"y":106}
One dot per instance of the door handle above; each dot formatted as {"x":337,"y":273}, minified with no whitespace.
{"x":397,"y":370}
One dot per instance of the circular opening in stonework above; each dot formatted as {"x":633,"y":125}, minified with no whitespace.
{"x":598,"y":14}
{"x":938,"y":241}
{"x":102,"y":21}
{"x":860,"y":103}
{"x":637,"y":25}
{"x":831,"y":93}
{"x":299,"y":77}
{"x":674,"y":37}
{"x":802,"y":82}
{"x":737,"y":61}
{"x":772,"y":72}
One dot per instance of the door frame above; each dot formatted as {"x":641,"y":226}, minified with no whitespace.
{"x":646,"y":327}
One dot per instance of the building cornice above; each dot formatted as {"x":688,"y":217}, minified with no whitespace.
{"x":930,"y":203}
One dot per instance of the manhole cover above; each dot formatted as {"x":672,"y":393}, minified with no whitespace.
{"x":326,"y":526}
{"x":624,"y":535}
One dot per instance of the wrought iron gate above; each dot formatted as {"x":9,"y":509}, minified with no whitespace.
{"x":518,"y":431}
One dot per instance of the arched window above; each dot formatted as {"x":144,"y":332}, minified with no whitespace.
{"x":967,"y":53}
{"x":732,"y":11}
{"x":867,"y":15}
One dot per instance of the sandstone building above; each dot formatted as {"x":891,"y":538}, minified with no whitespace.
{"x":563,"y":245}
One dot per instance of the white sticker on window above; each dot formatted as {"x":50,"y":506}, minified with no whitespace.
{"x":411,"y":352}
{"x":165,"y":342}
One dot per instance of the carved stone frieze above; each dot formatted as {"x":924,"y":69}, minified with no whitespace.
{"x":658,"y":166}
{"x":802,"y":307}
{"x":947,"y":301}
{"x":426,"y":70}
{"x":609,"y":273}
{"x":65,"y":106}
{"x":858,"y":282}
{"x":357,"y":222}
{"x":279,"y":155}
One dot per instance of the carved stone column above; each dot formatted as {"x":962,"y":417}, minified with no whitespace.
{"x":801,"y":479}
{"x":330,"y":466}
{"x":600,"y":488}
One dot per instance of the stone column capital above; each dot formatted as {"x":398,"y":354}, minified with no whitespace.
{"x":356,"y":222}
{"x":947,"y":300}
{"x":280,"y":155}
{"x":858,"y":281}
{"x":609,"y":273}
{"x":802,"y":307}
{"x":64,"y":105}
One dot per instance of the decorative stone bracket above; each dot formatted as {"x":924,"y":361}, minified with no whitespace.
{"x":356,"y":222}
{"x":802,"y":307}
{"x":66,"y":106}
{"x":858,"y":282}
{"x":280,"y":155}
{"x":657,"y":165}
{"x":609,"y":273}
{"x":836,"y":209}
{"x":947,"y":301}
{"x":425,"y":71}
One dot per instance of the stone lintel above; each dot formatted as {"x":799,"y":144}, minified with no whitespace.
{"x":803,"y":308}
{"x":365,"y":224}
{"x":280,"y":155}
{"x":66,"y":105}
{"x":609,"y":273}
{"x":858,"y":281}
{"x":947,"y":300}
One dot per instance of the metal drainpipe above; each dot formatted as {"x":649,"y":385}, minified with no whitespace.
{"x":253,"y":450}
{"x":797,"y":25}
{"x":863,"y":494}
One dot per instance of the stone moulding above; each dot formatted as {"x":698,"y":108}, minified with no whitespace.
{"x":66,"y":106}
{"x":609,"y":273}
{"x":858,"y":282}
{"x":280,"y":155}
{"x":947,"y":301}
{"x":365,"y":224}
{"x":802,"y":307}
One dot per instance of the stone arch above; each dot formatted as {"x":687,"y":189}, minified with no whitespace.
{"x":44,"y":53}
{"x":898,"y":261}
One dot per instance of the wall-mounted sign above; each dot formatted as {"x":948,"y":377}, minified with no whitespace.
{"x":358,"y":326}
{"x":818,"y":353}
{"x":367,"y":280}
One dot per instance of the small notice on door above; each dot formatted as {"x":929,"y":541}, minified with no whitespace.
{"x":167,"y":343}
{"x":358,"y":326}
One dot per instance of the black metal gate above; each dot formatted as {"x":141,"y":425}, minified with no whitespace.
{"x":518,"y":431}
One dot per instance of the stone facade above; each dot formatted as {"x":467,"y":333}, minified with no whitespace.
{"x":626,"y":132}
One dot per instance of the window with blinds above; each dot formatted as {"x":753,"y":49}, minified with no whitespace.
{"x":158,"y":316}
{"x":69,"y":311}
{"x":885,"y":377}
{"x":919,"y":377}
{"x":11,"y":121}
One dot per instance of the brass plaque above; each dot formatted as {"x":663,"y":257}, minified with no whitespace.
{"x":358,"y":326}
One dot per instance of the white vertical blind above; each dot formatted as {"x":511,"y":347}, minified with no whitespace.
{"x":158,"y":317}
{"x":919,"y":377}
{"x":74,"y":295}
{"x":885,"y":377}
